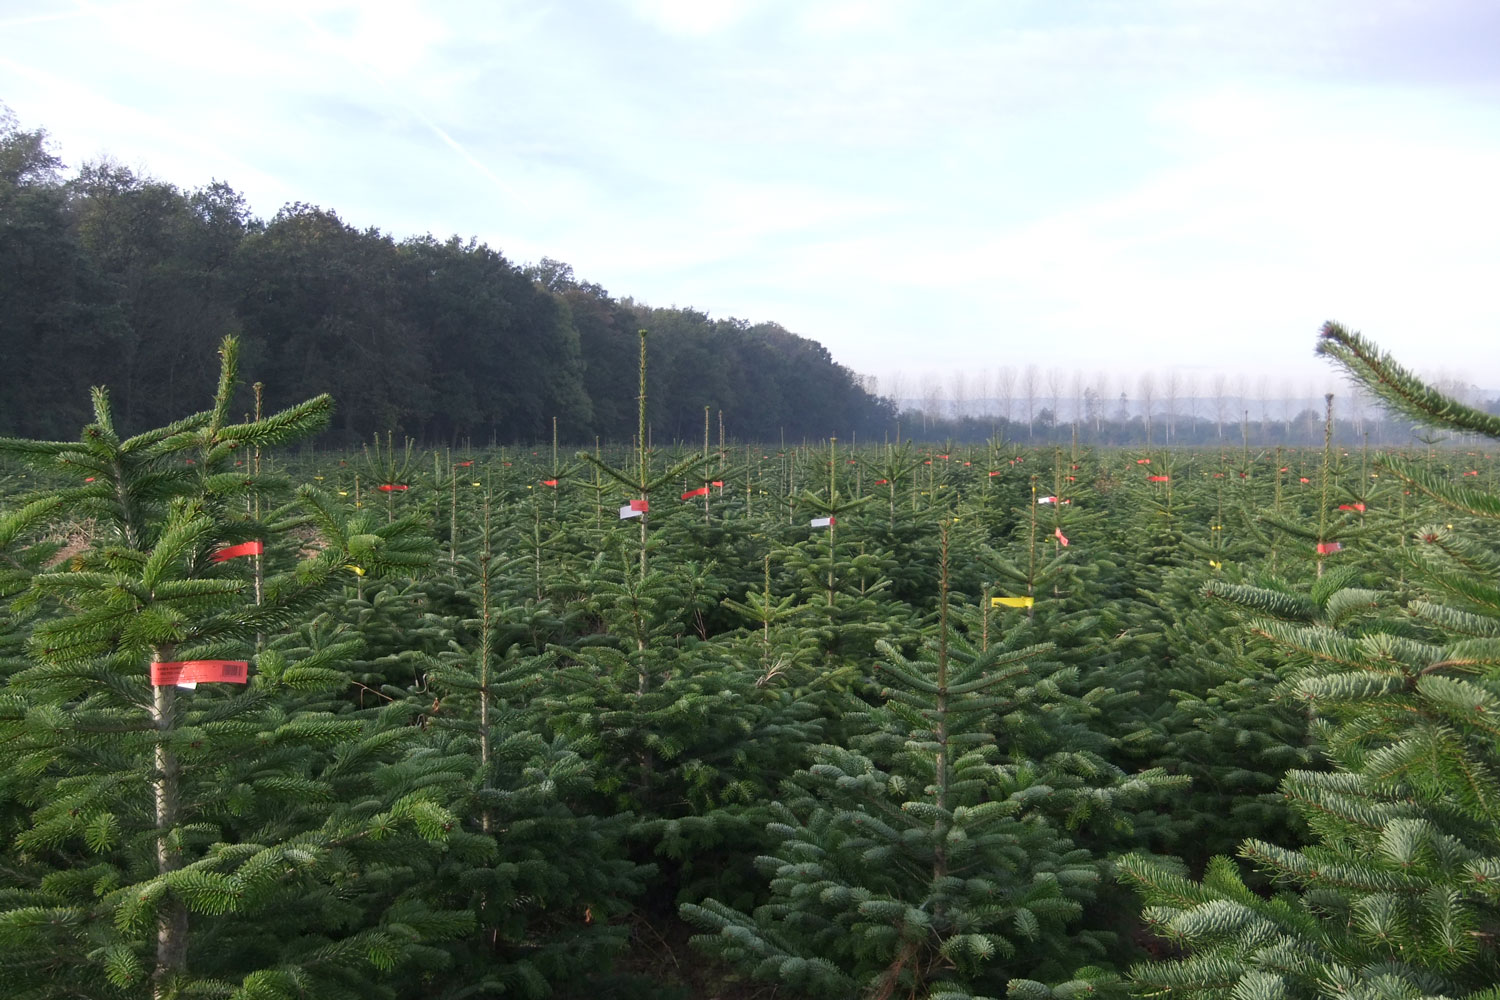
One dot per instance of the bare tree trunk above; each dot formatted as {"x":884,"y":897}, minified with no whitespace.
{"x":171,"y":915}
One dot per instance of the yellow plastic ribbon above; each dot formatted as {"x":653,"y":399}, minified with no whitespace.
{"x":1012,"y":602}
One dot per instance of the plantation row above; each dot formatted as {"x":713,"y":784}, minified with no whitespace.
{"x":876,"y":721}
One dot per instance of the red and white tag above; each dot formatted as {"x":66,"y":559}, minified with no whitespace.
{"x":822,"y":522}
{"x":190,"y":673}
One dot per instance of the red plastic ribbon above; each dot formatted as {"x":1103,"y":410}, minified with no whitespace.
{"x":1143,"y":461}
{"x":882,"y":482}
{"x":718,"y":482}
{"x":394,"y":487}
{"x":1326,"y":547}
{"x":994,"y":474}
{"x":1472,"y":472}
{"x":1304,"y":479}
{"x":200,"y":672}
{"x":642,"y":505}
{"x":465,"y":465}
{"x":548,"y":482}
{"x":701,"y":491}
{"x":1352,"y":506}
{"x":1061,"y":537}
{"x":242,"y":549}
{"x":1158,"y":479}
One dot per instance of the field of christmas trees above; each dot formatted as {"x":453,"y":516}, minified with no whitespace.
{"x":736,"y":720}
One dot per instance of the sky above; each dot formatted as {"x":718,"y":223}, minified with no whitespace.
{"x":924,"y":186}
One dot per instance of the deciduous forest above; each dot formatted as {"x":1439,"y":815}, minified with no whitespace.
{"x":114,"y":278}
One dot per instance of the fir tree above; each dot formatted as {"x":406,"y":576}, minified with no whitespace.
{"x":163,"y":819}
{"x":918,"y":860}
{"x":1396,"y":895}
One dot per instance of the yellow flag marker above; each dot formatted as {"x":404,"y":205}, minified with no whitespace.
{"x":358,"y":570}
{"x":476,"y":484}
{"x":1012,"y":602}
{"x":1217,"y":527}
{"x":1216,"y":565}
{"x":343,"y":493}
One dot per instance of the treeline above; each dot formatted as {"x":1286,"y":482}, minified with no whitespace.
{"x":111,"y":278}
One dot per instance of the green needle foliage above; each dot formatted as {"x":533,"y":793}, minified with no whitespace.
{"x":218,"y":841}
{"x":919,"y":860}
{"x":1396,"y":894}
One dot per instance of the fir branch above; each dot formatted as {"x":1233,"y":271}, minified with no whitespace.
{"x":1378,"y":372}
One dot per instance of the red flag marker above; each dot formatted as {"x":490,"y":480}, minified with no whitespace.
{"x":1283,"y":468}
{"x":1218,"y":475}
{"x":394,"y":487}
{"x":242,"y":549}
{"x":1143,"y":461}
{"x":1062,"y":538}
{"x":90,"y":479}
{"x":1472,"y":472}
{"x":200,"y":672}
{"x":882,"y":482}
{"x":548,"y":482}
{"x":465,"y":465}
{"x":942,"y":456}
{"x":1352,"y":506}
{"x":1304,"y":479}
{"x":1158,"y":479}
{"x":701,"y":491}
{"x":994,"y":474}
{"x":1324,"y":548}
{"x":718,"y":482}
{"x":641,"y":505}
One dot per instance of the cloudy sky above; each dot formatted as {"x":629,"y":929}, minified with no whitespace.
{"x":922,"y":185}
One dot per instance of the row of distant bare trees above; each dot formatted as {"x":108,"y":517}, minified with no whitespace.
{"x":1165,"y":401}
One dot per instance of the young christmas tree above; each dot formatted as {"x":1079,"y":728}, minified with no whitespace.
{"x":919,"y":859}
{"x":201,"y":822}
{"x":1398,"y":895}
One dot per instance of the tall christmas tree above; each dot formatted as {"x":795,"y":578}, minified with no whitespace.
{"x":202,"y":820}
